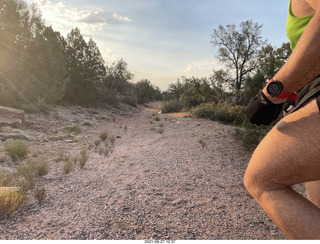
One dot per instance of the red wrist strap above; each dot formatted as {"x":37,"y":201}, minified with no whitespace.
{"x":285,"y":95}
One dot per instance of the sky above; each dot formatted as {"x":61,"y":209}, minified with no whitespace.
{"x":162,"y":40}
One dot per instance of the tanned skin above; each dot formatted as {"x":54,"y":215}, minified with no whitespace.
{"x":304,"y":63}
{"x":290,"y":153}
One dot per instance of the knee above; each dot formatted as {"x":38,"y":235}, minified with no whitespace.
{"x":252,"y":184}
{"x":260,"y":181}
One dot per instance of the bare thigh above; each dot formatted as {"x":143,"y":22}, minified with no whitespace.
{"x":290,"y":153}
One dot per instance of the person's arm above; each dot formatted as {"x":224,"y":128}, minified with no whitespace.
{"x":304,"y":63}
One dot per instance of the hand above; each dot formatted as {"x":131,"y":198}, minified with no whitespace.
{"x":286,"y":111}
{"x":261,"y":111}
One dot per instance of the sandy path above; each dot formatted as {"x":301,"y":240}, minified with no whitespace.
{"x":153,"y":186}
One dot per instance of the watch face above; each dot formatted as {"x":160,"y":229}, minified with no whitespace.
{"x":274,"y":88}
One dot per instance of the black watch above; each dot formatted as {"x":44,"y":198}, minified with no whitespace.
{"x":274,"y":88}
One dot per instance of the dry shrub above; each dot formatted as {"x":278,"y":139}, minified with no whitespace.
{"x":27,"y":177}
{"x":161,"y":130}
{"x":62,"y":157}
{"x":40,"y":194}
{"x":7,"y":179}
{"x":83,"y":158}
{"x":42,"y":167}
{"x":67,"y":166}
{"x":16,"y":149}
{"x":97,"y":142}
{"x":104,"y":135}
{"x":112,"y":139}
{"x":102,"y":150}
{"x":75,"y":129}
{"x":10,"y":200}
{"x":203,"y":142}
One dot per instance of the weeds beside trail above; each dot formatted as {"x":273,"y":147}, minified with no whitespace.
{"x":21,"y":183}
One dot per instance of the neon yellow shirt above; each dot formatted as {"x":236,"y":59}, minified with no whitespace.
{"x":296,"y":26}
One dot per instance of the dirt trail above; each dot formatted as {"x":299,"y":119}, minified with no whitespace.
{"x":153,"y":185}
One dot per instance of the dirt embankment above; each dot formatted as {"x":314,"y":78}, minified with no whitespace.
{"x":173,"y":178}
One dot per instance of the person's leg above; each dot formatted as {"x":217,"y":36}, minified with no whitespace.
{"x":288,"y":155}
{"x":313,"y":191}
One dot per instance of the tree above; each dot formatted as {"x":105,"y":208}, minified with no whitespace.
{"x":196,"y":92}
{"x":191,"y":92}
{"x":46,"y":72}
{"x":19,"y":26}
{"x":95,"y":63}
{"x":81,"y":89}
{"x":271,"y":59}
{"x":144,"y":91}
{"x":238,"y":50}
{"x":118,"y":76}
{"x":175,"y":90}
{"x":253,"y":85}
{"x":221,"y":81}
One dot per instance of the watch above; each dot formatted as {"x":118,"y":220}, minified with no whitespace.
{"x":275,"y":89}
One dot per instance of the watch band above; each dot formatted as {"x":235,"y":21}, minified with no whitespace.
{"x":285,"y":95}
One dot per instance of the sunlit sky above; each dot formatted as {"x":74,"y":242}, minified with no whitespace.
{"x":162,"y":40}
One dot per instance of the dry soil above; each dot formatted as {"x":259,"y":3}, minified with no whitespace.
{"x":182,"y":184}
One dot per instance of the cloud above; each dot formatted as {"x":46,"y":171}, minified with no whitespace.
{"x":92,"y":17}
{"x":65,"y":17}
{"x":108,"y":56}
{"x":42,"y":3}
{"x":208,"y":63}
{"x":116,"y":16}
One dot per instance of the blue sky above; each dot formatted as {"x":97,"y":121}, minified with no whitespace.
{"x":162,"y":40}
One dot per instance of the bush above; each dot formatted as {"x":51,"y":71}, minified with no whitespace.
{"x":205,"y":110}
{"x":129,"y":97}
{"x":237,"y":115}
{"x":10,"y":200}
{"x":36,"y":168}
{"x":214,"y":111}
{"x":109,"y":97}
{"x":172,"y":106}
{"x":251,"y":135}
{"x":16,"y":149}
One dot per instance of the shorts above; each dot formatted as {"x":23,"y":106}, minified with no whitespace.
{"x":308,"y":92}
